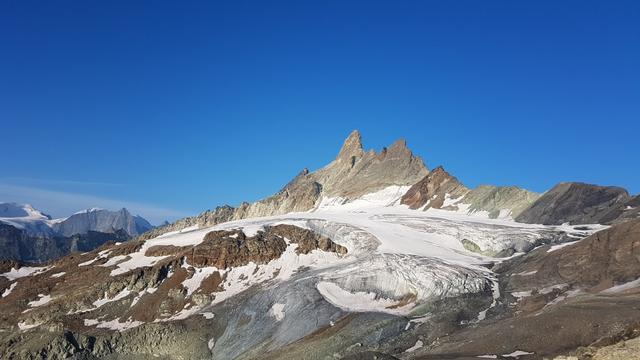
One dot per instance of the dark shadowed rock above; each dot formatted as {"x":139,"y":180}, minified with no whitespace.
{"x":17,"y":244}
{"x":623,"y":212}
{"x":604,"y":259}
{"x":575,"y":203}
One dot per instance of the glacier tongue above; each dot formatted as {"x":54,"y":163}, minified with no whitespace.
{"x":397,"y":258}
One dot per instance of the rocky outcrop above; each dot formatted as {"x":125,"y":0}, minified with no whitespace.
{"x":508,"y":200}
{"x":433,"y":190}
{"x":607,"y":258}
{"x":575,"y":203}
{"x":225,"y":249}
{"x":300,"y":194}
{"x":440,"y":190}
{"x":623,"y":212}
{"x":307,"y":240}
{"x":103,"y":221}
{"x":207,"y":218}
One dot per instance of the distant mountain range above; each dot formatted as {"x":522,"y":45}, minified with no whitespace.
{"x":27,"y":234}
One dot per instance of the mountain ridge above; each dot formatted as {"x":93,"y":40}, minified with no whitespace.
{"x":352,"y":174}
{"x":30,"y":235}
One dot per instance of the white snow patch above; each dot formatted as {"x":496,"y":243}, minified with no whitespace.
{"x":208,"y":315}
{"x":527,"y":273}
{"x":23,"y":326}
{"x":449,"y":201}
{"x":101,"y":255}
{"x":86,"y":211}
{"x":495,"y":292}
{"x":359,"y":301}
{"x":192,"y":284}
{"x":121,"y":295}
{"x":24,"y":271}
{"x":114,"y":260}
{"x":277,"y":311}
{"x":386,"y":197}
{"x":622,"y":287}
{"x":57,"y":275}
{"x":516,"y":354}
{"x":415,"y":347}
{"x":560,"y":246}
{"x":8,"y":290}
{"x":521,"y":294}
{"x":549,"y":289}
{"x":211,"y":343}
{"x":113,"y":324}
{"x":42,"y":300}
{"x":141,"y":294}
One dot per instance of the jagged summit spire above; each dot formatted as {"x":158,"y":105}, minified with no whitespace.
{"x":352,"y":146}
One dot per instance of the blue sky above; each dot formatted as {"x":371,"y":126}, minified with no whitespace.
{"x":171,"y":108}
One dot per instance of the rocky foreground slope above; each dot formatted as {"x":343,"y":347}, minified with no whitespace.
{"x":353,"y":261}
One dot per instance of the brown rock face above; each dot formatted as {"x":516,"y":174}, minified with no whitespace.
{"x":606,"y":258}
{"x":300,"y":194}
{"x":307,"y":240}
{"x":222,"y":250}
{"x":432,"y":190}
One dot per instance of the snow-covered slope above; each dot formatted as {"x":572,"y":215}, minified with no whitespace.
{"x":398,"y":255}
{"x":397,"y":264}
{"x":25,"y":217}
{"x":397,"y":260}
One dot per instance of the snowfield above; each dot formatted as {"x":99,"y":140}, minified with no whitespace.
{"x":397,"y":258}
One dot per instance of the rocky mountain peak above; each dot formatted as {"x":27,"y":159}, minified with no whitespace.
{"x":433,"y":190}
{"x":352,"y":147}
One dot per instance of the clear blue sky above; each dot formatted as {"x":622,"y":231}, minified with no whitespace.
{"x":172,"y":108}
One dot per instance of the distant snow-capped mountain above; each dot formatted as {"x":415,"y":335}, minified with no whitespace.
{"x":27,"y":234}
{"x":27,"y":218}
{"x":35,"y":222}
{"x":103,"y":221}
